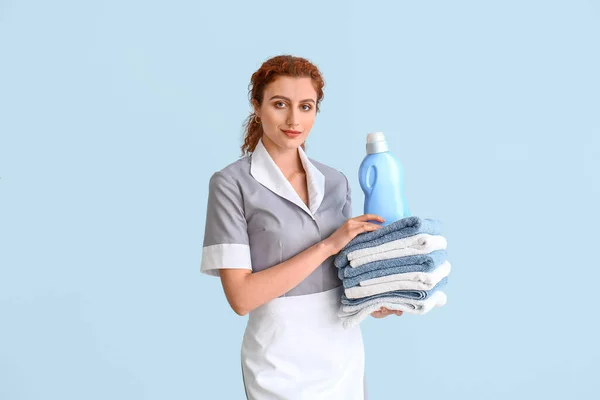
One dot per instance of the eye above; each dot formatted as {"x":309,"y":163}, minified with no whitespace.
{"x":307,"y":109}
{"x":279,"y":102}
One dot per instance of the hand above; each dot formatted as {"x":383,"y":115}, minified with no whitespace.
{"x":348,"y":231}
{"x":384,"y":312}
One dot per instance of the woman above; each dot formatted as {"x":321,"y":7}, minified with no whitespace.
{"x":275,"y":219}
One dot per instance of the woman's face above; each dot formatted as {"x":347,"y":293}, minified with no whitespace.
{"x":289,"y":104}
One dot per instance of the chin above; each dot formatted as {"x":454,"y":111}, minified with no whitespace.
{"x":293,"y":143}
{"x":289,"y":143}
{"x":285,"y":142}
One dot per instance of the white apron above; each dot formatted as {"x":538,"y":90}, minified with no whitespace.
{"x":295,"y":347}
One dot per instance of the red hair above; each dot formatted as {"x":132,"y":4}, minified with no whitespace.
{"x":283,"y":65}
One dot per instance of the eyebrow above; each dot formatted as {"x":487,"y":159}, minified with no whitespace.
{"x":286,"y":98}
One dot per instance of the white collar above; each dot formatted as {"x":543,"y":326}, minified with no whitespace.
{"x":265,"y":171}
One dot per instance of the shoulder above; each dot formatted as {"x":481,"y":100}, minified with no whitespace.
{"x":232,"y":173}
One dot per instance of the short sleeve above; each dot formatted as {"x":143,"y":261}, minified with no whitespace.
{"x":226,"y":242}
{"x":347,"y":210}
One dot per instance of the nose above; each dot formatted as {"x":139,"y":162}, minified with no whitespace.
{"x":291,"y":120}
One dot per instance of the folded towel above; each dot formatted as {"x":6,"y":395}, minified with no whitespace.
{"x":402,"y":228}
{"x":425,"y":277}
{"x":409,"y":294}
{"x":410,"y":246}
{"x":415,"y":281}
{"x":348,"y":310}
{"x":418,"y":263}
{"x":437,"y":300}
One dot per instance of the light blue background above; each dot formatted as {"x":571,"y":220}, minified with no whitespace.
{"x":114,"y":114}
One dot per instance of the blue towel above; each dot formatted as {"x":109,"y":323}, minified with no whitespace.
{"x":410,"y":294}
{"x":417,"y":263}
{"x":400,"y":229}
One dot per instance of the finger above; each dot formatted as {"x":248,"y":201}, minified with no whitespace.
{"x":372,"y":225}
{"x":377,"y":313}
{"x":367,"y":217}
{"x":366,"y":227}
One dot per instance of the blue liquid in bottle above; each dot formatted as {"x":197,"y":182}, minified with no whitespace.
{"x":381,"y":178}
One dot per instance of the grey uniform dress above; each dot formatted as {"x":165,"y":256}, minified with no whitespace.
{"x":294,"y":346}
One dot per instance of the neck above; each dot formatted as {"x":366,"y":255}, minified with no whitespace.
{"x":288,"y":160}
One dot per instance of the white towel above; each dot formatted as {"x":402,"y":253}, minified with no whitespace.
{"x":415,"y":281}
{"x":418,"y":307}
{"x":417,"y":244}
{"x":406,"y":276}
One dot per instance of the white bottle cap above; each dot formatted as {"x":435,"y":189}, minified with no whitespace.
{"x":376,"y":143}
{"x":375,"y":137}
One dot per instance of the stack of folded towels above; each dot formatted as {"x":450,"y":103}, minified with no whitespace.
{"x":401,"y":266}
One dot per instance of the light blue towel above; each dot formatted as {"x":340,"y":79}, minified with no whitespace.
{"x":400,"y":229}
{"x":410,"y":294}
{"x":416,"y":263}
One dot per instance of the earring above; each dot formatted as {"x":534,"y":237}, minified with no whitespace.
{"x":258,"y":122}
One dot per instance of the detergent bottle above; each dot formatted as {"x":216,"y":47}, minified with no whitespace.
{"x":381,"y":178}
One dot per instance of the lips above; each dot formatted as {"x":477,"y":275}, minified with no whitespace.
{"x":291,"y":134}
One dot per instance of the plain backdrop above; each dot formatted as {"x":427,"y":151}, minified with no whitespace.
{"x":114,"y":115}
